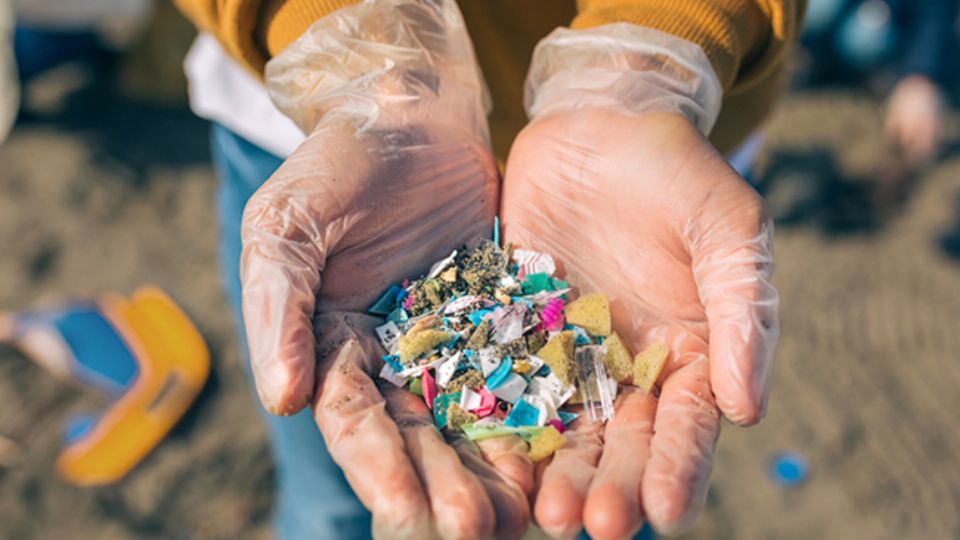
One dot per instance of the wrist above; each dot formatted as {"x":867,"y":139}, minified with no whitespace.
{"x":382,"y":63}
{"x":623,"y":67}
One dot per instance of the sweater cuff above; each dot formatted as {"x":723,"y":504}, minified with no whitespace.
{"x":731,"y":33}
{"x":283,"y":21}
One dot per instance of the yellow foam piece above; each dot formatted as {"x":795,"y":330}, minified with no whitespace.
{"x":590,"y":312}
{"x":558,"y":354}
{"x":176,"y":368}
{"x":545,"y":443}
{"x":618,"y":360}
{"x":413,"y":346}
{"x":648,"y":364}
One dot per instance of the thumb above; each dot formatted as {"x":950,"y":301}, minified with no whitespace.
{"x":730,"y":243}
{"x":280,"y":274}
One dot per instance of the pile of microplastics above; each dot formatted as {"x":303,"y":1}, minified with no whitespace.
{"x":490,"y":341}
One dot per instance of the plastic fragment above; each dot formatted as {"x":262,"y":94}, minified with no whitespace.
{"x":593,"y":385}
{"x":387,"y":373}
{"x":499,"y":375}
{"x":545,"y":443}
{"x":477,"y":432}
{"x":440,"y":406}
{"x":429,"y":388}
{"x":511,"y":389}
{"x":387,"y":301}
{"x":557,"y":424}
{"x":534,"y":283}
{"x":490,"y":361}
{"x":534,"y":262}
{"x":522,"y":414}
{"x":389,"y":334}
{"x":647,"y":366}
{"x":552,"y":315}
{"x":789,"y":469}
{"x":488,"y":402}
{"x":592,"y":312}
{"x":447,"y":369}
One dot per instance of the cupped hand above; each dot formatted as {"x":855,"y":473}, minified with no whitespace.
{"x":348,"y":214}
{"x":641,"y":207}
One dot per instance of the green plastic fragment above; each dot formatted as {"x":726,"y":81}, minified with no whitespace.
{"x":478,"y":433}
{"x":416,"y":386}
{"x":535,"y":283}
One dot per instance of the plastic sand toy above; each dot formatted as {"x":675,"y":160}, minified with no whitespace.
{"x":494,"y":344}
{"x":143,"y":354}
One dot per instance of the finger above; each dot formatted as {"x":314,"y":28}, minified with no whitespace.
{"x":459,"y":501}
{"x":280,"y":274}
{"x":686,"y":427}
{"x":613,"y":508}
{"x":732,"y":264}
{"x":509,"y":500}
{"x":562,"y":491}
{"x":509,"y":456}
{"x":361,"y":437}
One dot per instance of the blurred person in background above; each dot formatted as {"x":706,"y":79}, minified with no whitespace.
{"x":397,"y":169}
{"x":9,"y":82}
{"x":904,"y":41}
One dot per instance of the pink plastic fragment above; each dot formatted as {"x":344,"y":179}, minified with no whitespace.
{"x":552,"y":315}
{"x":488,"y":402}
{"x":408,"y":302}
{"x":429,"y":388}
{"x":556,"y":423}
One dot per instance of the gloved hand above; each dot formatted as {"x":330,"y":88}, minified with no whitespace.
{"x":613,"y":178}
{"x":914,"y":119}
{"x":396,"y":172}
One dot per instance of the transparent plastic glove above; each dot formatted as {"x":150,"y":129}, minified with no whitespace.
{"x":914,"y":119}
{"x":396,"y":172}
{"x":617,"y":182}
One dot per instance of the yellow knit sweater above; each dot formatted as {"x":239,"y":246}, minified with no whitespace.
{"x":746,"y":41}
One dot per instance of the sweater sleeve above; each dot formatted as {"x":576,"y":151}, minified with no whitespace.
{"x":745,"y":40}
{"x":253,"y":31}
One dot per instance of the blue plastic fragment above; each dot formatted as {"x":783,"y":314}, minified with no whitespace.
{"x":788,"y":469}
{"x":500,"y":374}
{"x":385,"y":304}
{"x":522,"y":414}
{"x":496,"y":230}
{"x":440,"y":405}
{"x":401,"y":296}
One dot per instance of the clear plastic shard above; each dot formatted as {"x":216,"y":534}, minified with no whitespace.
{"x":593,"y":383}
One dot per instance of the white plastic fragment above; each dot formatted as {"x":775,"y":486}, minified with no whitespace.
{"x":389,"y":333}
{"x":440,"y":266}
{"x":461,"y":304}
{"x":447,"y":369}
{"x":507,"y":323}
{"x":469,"y":400}
{"x":511,"y":389}
{"x":392,"y":376}
{"x":534,"y":262}
{"x":489,"y":360}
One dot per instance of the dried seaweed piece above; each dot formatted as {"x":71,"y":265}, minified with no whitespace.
{"x":479,"y":337}
{"x":471,"y":378}
{"x":457,"y":417}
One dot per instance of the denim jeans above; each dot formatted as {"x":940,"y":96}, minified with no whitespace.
{"x":313,"y":498}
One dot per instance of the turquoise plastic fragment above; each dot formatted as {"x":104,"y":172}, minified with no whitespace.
{"x":535,"y":283}
{"x":522,"y":414}
{"x":387,"y":301}
{"x":398,"y":316}
{"x":478,"y":433}
{"x":496,"y":230}
{"x":393,"y":361}
{"x":580,"y":336}
{"x":500,"y":374}
{"x":440,"y":405}
{"x":559,"y":284}
{"x":477,"y":316}
{"x":567,"y":417}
